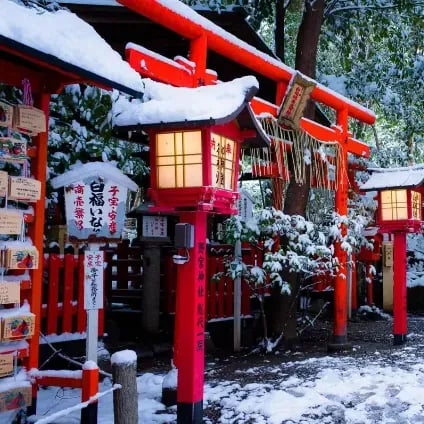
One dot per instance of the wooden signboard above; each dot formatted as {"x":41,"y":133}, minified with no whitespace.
{"x":18,"y":327}
{"x":6,"y":364}
{"x":16,"y":398}
{"x":295,"y":100}
{"x":10,"y":221}
{"x":24,"y":189}
{"x":6,"y":115}
{"x":10,"y":292}
{"x":29,"y":119}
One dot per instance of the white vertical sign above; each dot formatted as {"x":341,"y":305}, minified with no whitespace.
{"x":93,"y":279}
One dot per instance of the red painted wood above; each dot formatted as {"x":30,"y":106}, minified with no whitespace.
{"x":53,"y":295}
{"x":190,"y":314}
{"x":220,"y":298}
{"x":212,"y":297}
{"x":229,"y":298}
{"x":245,"y":299}
{"x":90,"y":383}
{"x":69,"y":264}
{"x":340,"y":281}
{"x":241,"y":53}
{"x":400,"y":318}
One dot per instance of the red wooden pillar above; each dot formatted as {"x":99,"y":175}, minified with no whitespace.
{"x":400,"y":318}
{"x":190,"y":324}
{"x":36,"y":232}
{"x":339,"y":339}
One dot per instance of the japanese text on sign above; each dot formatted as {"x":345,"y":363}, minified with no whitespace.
{"x":93,"y":279}
{"x":95,"y":208}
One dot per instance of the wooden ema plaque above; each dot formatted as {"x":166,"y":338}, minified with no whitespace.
{"x":10,"y":292}
{"x":24,"y":189}
{"x":10,"y":222}
{"x":22,"y":258}
{"x":29,"y":119}
{"x":16,"y":398}
{"x":4,"y":183}
{"x":6,"y":115}
{"x":18,"y":327}
{"x":12,"y":149}
{"x":6,"y":364}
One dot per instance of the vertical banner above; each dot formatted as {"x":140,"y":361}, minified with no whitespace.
{"x":93,"y":279}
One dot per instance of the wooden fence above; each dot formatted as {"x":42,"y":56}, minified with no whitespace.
{"x":63,"y":295}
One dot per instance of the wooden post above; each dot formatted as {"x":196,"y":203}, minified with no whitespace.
{"x":90,"y":388}
{"x":151,"y":289}
{"x":400,"y":317}
{"x":124,"y":373}
{"x":237,"y":298}
{"x":190,"y":324}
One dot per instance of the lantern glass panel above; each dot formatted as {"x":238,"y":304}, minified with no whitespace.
{"x":416,"y":205}
{"x":179,"y":159}
{"x":223,"y":155}
{"x":394,"y":205}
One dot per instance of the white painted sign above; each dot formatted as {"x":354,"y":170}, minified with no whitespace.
{"x":95,"y":208}
{"x":155,"y":226}
{"x":93,"y":279}
{"x":245,"y":206}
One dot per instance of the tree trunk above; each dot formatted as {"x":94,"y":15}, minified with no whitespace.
{"x":283,"y":306}
{"x":280,"y":16}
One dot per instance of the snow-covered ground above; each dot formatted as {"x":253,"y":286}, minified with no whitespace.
{"x":383,"y":384}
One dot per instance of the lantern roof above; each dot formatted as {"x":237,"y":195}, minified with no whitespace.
{"x":53,"y":40}
{"x":80,"y":172}
{"x":391,"y":178}
{"x":168,"y":107}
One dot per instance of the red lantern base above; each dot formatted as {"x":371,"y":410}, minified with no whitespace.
{"x":209,"y":199}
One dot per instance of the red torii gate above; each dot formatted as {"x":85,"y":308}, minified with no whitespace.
{"x":204,"y":35}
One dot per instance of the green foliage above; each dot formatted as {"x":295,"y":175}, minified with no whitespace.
{"x":81,"y":131}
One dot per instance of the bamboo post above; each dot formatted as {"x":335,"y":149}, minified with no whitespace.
{"x":124,"y":373}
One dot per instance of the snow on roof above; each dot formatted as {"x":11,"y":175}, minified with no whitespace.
{"x":93,"y":169}
{"x":188,"y":12}
{"x":67,"y":37}
{"x":168,"y":104}
{"x":394,"y":178}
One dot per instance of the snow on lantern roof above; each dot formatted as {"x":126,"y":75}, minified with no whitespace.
{"x":105,"y":170}
{"x":62,"y":38}
{"x":385,"y":178}
{"x":180,"y":107}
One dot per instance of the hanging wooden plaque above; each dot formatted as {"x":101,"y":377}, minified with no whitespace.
{"x":30,"y":119}
{"x":10,"y":292}
{"x":10,"y":221}
{"x":24,"y":189}
{"x":6,"y":364}
{"x":22,"y":258}
{"x":4,"y":183}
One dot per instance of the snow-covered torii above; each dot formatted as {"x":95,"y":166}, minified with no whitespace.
{"x":204,"y":35}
